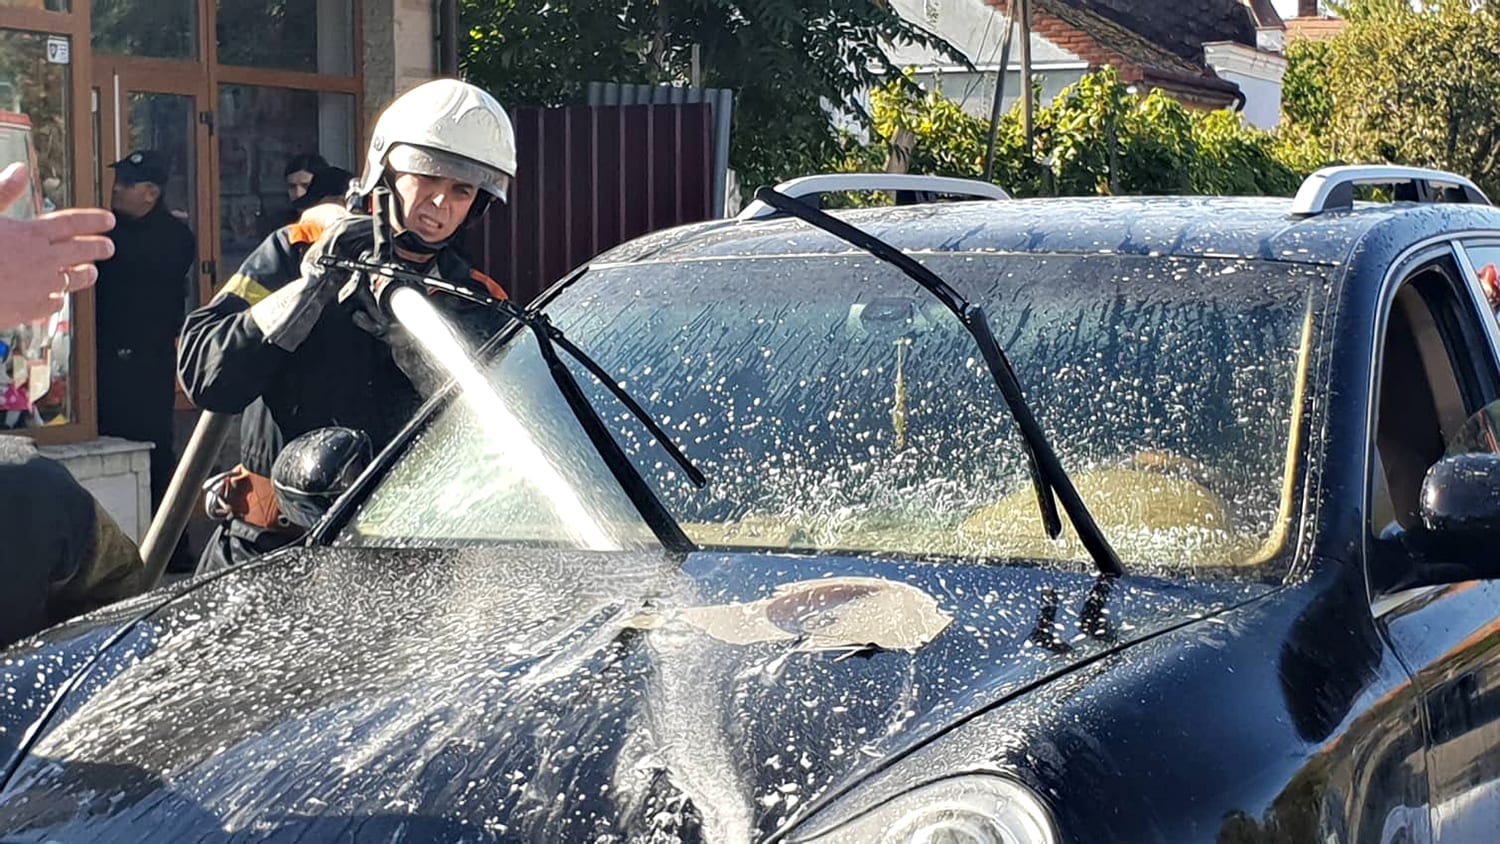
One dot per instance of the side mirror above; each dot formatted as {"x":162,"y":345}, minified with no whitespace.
{"x":313,"y":470}
{"x":1461,"y":505}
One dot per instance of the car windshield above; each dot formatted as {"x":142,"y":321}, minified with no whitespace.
{"x":835,"y":406}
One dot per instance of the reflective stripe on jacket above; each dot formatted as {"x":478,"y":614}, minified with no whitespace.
{"x":341,"y":375}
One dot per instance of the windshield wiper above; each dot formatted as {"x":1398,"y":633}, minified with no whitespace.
{"x":549,"y":339}
{"x":1047,"y":473}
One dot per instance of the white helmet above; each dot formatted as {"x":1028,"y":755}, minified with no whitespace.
{"x":446,"y":128}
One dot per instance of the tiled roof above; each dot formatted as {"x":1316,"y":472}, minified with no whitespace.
{"x":1313,"y":29}
{"x":1180,"y":26}
{"x":1265,"y":14}
{"x":1093,"y":29}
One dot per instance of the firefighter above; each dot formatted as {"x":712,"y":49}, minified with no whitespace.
{"x":285,"y":344}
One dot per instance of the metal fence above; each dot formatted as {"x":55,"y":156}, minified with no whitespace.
{"x":591,"y":177}
{"x":721,"y":100}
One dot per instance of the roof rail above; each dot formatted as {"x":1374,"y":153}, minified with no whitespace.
{"x":1332,"y":188}
{"x":835,"y":182}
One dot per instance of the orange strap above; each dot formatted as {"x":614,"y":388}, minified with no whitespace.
{"x":490,"y":284}
{"x":252,"y":499}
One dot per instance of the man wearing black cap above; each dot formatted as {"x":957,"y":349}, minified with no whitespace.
{"x":139,"y":306}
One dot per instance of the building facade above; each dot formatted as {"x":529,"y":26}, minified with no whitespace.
{"x":1205,"y":53}
{"x":227,"y":91}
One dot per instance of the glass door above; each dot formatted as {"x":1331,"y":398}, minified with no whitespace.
{"x":39,"y":387}
{"x":161,"y":112}
{"x":264,"y":131}
{"x":162,"y":115}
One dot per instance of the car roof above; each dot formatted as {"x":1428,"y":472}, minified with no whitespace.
{"x":1256,"y":228}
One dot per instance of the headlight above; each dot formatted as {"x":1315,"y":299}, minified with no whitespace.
{"x":975,"y":809}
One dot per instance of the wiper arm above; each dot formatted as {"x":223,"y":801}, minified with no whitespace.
{"x":1047,"y":473}
{"x":655,"y":513}
{"x":549,"y":339}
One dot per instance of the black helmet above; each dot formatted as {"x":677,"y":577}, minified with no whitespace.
{"x":315,"y":469}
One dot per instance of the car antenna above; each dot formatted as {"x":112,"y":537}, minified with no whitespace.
{"x":1047,"y":473}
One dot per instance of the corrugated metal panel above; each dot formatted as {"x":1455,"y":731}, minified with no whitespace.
{"x":720,"y":99}
{"x":591,"y":177}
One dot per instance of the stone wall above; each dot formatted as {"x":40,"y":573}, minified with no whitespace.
{"x":379,"y":59}
{"x":400,"y":51}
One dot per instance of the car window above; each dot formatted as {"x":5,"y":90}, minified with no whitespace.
{"x":836,"y":406}
{"x":1481,"y":431}
{"x":505,"y":460}
{"x":1484,"y":258}
{"x":1436,"y":377}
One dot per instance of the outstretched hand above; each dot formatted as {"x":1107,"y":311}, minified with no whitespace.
{"x":47,"y":257}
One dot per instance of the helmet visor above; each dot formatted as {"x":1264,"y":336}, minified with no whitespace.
{"x":405,"y":158}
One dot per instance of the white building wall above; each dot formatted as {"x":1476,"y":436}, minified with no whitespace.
{"x":1257,"y":72}
{"x":977,"y":29}
{"x":416,"y":43}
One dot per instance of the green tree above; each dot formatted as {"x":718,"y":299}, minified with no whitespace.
{"x":530,"y":53}
{"x":1304,"y":88}
{"x":1417,"y":85}
{"x":901,"y":114}
{"x":1235,"y":159}
{"x":1096,"y":137}
{"x":789,"y":62}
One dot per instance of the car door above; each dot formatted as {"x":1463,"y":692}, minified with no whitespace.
{"x":1437,"y":367}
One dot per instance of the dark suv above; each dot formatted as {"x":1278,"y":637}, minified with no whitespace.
{"x":1108,"y":519}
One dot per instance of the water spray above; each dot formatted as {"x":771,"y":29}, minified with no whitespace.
{"x":411,"y":309}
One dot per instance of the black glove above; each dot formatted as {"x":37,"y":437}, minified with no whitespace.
{"x":350,"y":236}
{"x":365,"y":303}
{"x":288,"y":315}
{"x":365,"y":298}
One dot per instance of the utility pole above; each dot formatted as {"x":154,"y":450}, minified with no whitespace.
{"x":1026,"y":115}
{"x":995,"y":104}
{"x":448,"y":37}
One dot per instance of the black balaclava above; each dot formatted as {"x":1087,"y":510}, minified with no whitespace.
{"x":410,"y":240}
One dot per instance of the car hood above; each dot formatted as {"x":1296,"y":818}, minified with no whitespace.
{"x":521,"y":694}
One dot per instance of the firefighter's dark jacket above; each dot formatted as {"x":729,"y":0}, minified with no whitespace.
{"x":341,"y":375}
{"x":63,"y":554}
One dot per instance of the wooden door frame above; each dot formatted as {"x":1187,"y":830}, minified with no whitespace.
{"x":200,"y":76}
{"x":75,"y":25}
{"x":156,"y":76}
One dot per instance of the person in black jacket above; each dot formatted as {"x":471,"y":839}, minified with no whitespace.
{"x":328,"y":185}
{"x":65,"y":555}
{"x":300,"y":172}
{"x":296,"y":346}
{"x":139,"y":304}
